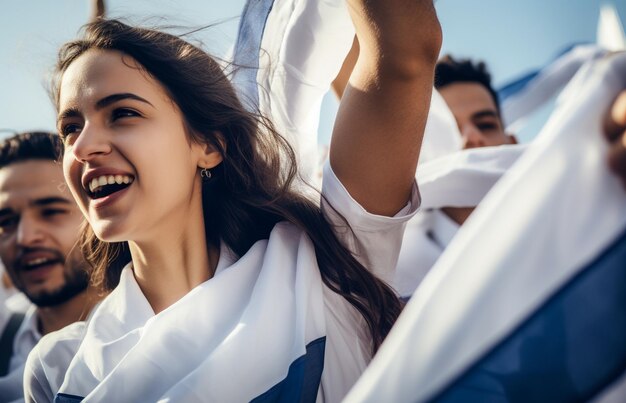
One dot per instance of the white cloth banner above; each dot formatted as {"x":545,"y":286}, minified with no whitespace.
{"x":442,"y":135}
{"x":463,"y":178}
{"x":460,"y":179}
{"x":553,"y":213}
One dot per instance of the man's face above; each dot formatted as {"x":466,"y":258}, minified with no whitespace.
{"x":476,"y":115}
{"x":39,"y":227}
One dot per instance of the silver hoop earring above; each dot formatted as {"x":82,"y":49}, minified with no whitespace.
{"x":205,"y":174}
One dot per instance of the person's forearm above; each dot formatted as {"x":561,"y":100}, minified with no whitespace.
{"x":97,"y":10}
{"x":382,"y":115}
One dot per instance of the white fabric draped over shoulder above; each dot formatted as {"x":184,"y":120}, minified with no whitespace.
{"x":536,"y":235}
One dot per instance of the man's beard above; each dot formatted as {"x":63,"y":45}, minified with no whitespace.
{"x":76,"y":281}
{"x":76,"y":275}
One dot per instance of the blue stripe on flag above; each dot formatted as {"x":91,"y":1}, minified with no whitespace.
{"x":65,"y":398}
{"x":300,"y":384}
{"x":303,"y":378}
{"x":519,"y":84}
{"x":570,"y":349}
{"x":516,"y":86}
{"x":248,"y":47}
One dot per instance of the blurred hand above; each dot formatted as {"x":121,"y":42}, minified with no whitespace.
{"x":615,"y":131}
{"x":98,"y":10}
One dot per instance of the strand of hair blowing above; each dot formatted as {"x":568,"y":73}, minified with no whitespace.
{"x":253,"y":186}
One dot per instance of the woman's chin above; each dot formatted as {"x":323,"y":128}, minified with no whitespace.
{"x":108,"y":231}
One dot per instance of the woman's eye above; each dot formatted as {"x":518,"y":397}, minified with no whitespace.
{"x":123,"y":113}
{"x":69,"y":129}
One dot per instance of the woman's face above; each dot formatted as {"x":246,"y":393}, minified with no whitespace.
{"x":128,"y":161}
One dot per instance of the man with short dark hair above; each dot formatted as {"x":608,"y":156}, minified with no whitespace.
{"x":466,"y":88}
{"x":39,"y":227}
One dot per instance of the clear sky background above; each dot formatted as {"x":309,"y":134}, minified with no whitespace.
{"x":513,"y":37}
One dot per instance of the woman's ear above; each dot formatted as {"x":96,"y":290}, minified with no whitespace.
{"x":208,"y":156}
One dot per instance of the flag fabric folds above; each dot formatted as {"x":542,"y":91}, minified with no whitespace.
{"x":288,"y":53}
{"x":520,"y":98}
{"x":529,"y":297}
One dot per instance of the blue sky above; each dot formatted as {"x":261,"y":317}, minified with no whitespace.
{"x":513,"y":37}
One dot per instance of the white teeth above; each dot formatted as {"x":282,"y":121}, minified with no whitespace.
{"x":96,"y":183}
{"x":37,"y":261}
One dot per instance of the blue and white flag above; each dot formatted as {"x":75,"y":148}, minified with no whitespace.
{"x":528,"y":303}
{"x":289,"y":52}
{"x":520,"y":98}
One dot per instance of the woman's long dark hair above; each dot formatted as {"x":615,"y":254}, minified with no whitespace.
{"x":251,"y":189}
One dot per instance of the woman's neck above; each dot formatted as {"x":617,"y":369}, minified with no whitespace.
{"x":172,"y":264}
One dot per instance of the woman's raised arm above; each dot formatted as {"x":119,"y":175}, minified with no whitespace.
{"x":382,"y":115}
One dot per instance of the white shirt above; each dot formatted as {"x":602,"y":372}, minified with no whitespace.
{"x":210,"y":365}
{"x":25,"y":339}
{"x":427,"y":235}
{"x":18,"y":302}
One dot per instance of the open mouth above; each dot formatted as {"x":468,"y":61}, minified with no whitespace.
{"x":106,"y":185}
{"x":36,"y":263}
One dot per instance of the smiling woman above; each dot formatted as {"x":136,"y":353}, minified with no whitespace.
{"x":122,"y":123}
{"x":221,"y":266}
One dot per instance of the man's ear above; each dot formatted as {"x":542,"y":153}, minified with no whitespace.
{"x":208,"y":156}
{"x":512,"y":138}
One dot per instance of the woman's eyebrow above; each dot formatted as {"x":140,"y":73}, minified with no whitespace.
{"x":102,"y":103}
{"x":68,"y":113}
{"x":110,"y":99}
